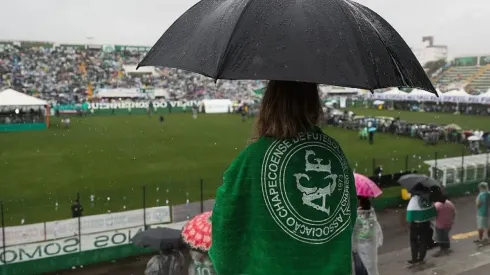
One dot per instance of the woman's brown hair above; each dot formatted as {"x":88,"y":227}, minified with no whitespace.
{"x":287,"y":109}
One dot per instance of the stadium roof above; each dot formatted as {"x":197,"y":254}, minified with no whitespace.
{"x":456,"y":162}
{"x":11,"y":97}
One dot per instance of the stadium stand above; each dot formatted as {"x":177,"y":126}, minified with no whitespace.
{"x":457,"y":74}
{"x":481,"y":80}
{"x":72,"y":73}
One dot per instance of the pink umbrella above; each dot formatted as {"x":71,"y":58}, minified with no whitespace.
{"x":366,"y":187}
{"x":197,"y":232}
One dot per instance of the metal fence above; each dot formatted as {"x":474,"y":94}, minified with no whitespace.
{"x":192,"y":194}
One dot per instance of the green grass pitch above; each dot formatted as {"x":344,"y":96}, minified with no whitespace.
{"x":112,"y":157}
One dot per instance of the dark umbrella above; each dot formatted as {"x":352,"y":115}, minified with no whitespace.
{"x":160,"y":239}
{"x":419,"y":184}
{"x":335,"y":42}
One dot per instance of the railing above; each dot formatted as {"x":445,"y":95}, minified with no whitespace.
{"x":194,"y":193}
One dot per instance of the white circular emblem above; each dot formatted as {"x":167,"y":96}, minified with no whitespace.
{"x":305,"y":184}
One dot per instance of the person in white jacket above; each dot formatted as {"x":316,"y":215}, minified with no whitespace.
{"x":367,"y":238}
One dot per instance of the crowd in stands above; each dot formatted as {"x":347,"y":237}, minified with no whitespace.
{"x":69,"y":75}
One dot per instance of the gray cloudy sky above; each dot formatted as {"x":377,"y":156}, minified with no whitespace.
{"x":462,"y":25}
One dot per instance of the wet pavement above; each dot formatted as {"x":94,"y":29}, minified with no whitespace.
{"x":466,"y":259}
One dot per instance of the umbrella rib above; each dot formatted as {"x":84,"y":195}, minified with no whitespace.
{"x":357,"y":45}
{"x":387,"y":49}
{"x":228,"y":46}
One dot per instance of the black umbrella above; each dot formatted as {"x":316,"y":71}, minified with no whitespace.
{"x":420,"y":184}
{"x":161,"y":239}
{"x":335,"y":42}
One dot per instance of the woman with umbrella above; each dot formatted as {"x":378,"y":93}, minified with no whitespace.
{"x":287,"y":201}
{"x":368,"y":235}
{"x":291,"y":167}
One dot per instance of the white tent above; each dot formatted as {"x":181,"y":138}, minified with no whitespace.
{"x":458,"y":93}
{"x":486,"y":94}
{"x":394,"y":91}
{"x":417,"y":92}
{"x":421,"y":95}
{"x":393,"y":94}
{"x":11,"y":97}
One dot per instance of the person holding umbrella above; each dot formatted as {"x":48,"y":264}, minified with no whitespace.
{"x":279,"y":195}
{"x":420,"y":213}
{"x":368,"y":235}
{"x":197,"y":235}
{"x":167,"y":242}
{"x":287,"y":203}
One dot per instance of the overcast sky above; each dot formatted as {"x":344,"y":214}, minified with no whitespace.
{"x":462,"y":25}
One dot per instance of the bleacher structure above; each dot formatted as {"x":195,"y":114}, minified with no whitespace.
{"x":457,"y":74}
{"x":467,"y":72}
{"x":481,"y":79}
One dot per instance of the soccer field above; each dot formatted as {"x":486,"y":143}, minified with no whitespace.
{"x":112,"y":157}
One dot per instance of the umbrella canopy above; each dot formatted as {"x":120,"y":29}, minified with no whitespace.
{"x":197,"y":232}
{"x":454,"y":126}
{"x":419,"y":184}
{"x":161,"y":239}
{"x":365,"y":187}
{"x":335,"y":42}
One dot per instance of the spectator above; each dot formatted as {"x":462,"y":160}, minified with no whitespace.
{"x":420,"y":213}
{"x":482,"y":214}
{"x":446,"y":214}
{"x":76,"y":209}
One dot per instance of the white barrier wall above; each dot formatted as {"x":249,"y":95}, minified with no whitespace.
{"x":39,"y":232}
{"x":216,"y":106}
{"x":59,"y":247}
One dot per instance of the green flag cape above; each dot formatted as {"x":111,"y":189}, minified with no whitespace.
{"x":286,"y":207}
